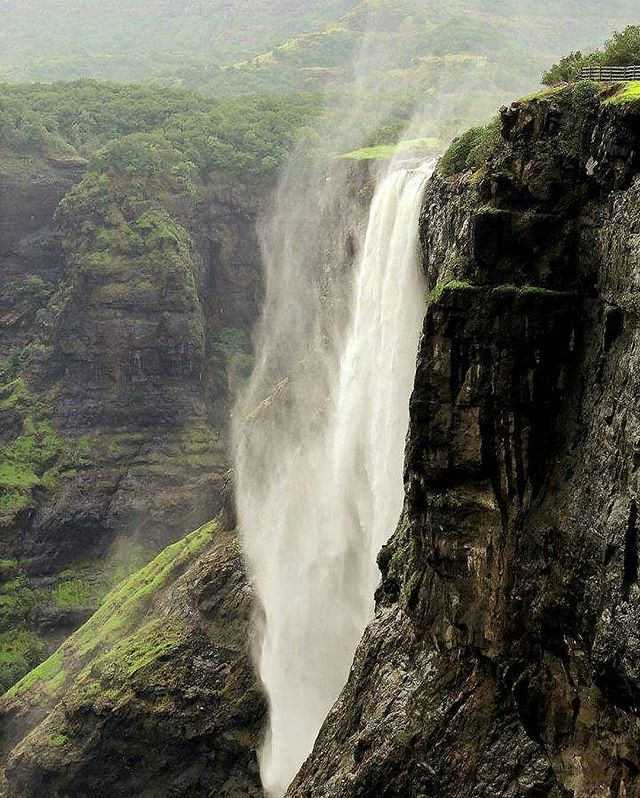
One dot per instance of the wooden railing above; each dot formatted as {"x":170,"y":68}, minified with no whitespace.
{"x":610,"y":74}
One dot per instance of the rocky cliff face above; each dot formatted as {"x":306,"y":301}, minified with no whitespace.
{"x":503,"y":658}
{"x":155,"y":695}
{"x":125,"y":310}
{"x":502,"y":661}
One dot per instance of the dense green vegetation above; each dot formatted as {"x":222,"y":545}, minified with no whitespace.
{"x":623,"y":49}
{"x":152,"y":130}
{"x":471,"y":149}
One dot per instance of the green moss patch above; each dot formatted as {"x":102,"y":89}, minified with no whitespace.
{"x":506,"y":290}
{"x":119,"y":616}
{"x":58,"y":740}
{"x":384,"y":152}
{"x":445,"y":286}
{"x":48,"y":676}
{"x":37,"y":456}
{"x":71,"y":593}
{"x":153,"y":641}
{"x":471,"y":150}
{"x":13,"y":394}
{"x":543,"y":94}
{"x":627,"y":94}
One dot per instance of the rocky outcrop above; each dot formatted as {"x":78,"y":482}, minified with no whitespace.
{"x":125,"y":310}
{"x":154,"y":696}
{"x":30,"y":246}
{"x":503,"y":658}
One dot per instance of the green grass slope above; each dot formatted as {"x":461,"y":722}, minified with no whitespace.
{"x":160,"y":676}
{"x":121,"y":617}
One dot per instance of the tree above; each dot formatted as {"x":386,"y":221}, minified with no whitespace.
{"x":565,"y":70}
{"x":622,"y":49}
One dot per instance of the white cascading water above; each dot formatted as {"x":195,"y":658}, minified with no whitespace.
{"x":319,"y":479}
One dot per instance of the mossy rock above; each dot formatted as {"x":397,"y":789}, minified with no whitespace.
{"x":160,"y":674}
{"x":471,"y":150}
{"x":37,"y":456}
{"x":119,"y":614}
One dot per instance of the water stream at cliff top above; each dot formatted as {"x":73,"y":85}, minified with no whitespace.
{"x":320,"y":439}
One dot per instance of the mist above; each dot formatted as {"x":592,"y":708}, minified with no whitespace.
{"x":147,"y":138}
{"x":319,"y":431}
{"x":319,"y":462}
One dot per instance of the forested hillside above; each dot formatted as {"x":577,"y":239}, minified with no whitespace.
{"x":223,"y":47}
{"x":130,"y":282}
{"x":65,"y":39}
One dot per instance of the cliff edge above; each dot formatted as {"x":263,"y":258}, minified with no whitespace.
{"x":503,"y":659}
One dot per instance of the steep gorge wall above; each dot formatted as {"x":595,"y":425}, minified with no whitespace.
{"x":503,"y":658}
{"x":125,"y":315}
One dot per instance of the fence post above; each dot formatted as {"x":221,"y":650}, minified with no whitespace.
{"x":610,"y":74}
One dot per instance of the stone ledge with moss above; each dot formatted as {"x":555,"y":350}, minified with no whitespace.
{"x":154,"y":694}
{"x":571,"y":113}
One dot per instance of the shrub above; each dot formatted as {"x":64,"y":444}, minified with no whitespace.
{"x":622,"y":49}
{"x":20,"y":651}
{"x":471,"y":150}
{"x":565,"y":70}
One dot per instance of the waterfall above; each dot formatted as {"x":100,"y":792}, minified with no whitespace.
{"x":319,"y":439}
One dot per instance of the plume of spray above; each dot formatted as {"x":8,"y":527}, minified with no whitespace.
{"x":319,"y":430}
{"x":319,"y":469}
